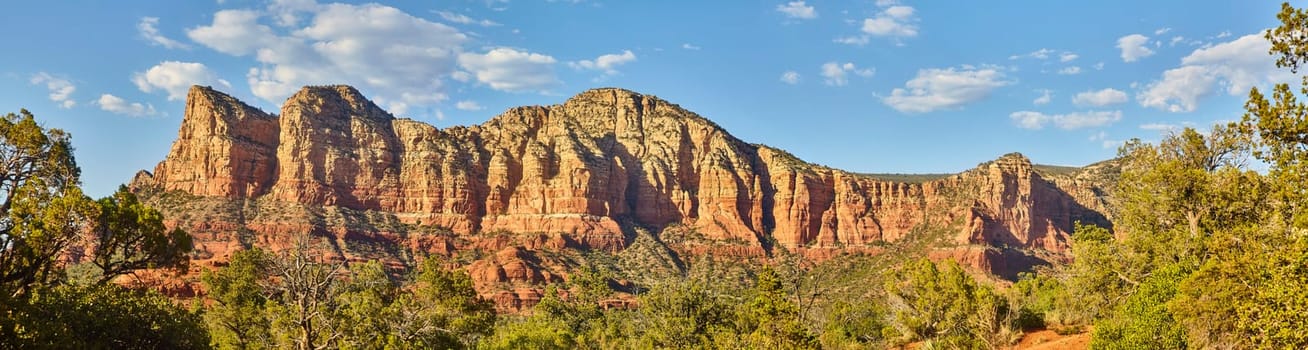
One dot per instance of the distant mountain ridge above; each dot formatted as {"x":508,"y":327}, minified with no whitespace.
{"x":587,"y":174}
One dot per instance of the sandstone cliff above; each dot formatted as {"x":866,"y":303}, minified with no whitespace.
{"x":581,"y":175}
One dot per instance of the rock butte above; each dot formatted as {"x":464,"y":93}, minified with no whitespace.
{"x":584,"y":175}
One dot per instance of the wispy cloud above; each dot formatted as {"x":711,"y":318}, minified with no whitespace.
{"x":1077,"y":120}
{"x":1100,"y":98}
{"x":148,"y":30}
{"x":607,"y":63}
{"x":790,"y":77}
{"x":117,"y":105}
{"x":61,"y":90}
{"x":797,"y":10}
{"x":893,"y":21}
{"x":464,"y":19}
{"x":835,"y":74}
{"x":468,"y":105}
{"x":948,"y":88}
{"x":1046,"y":96}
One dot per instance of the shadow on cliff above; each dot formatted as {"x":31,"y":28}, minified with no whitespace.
{"x":1051,"y":207}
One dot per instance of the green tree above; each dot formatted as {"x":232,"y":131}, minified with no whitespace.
{"x":577,"y":306}
{"x":771,"y":319}
{"x":682,"y":315}
{"x":530,"y":333}
{"x":853,"y":324}
{"x":1281,"y":122}
{"x":1170,"y":201}
{"x":1143,"y":321}
{"x":130,"y":236}
{"x":1249,"y":291}
{"x":41,"y":208}
{"x":946,"y":307}
{"x":102,"y":317}
{"x":444,"y":310}
{"x":363,"y":313}
{"x":1100,"y":278}
{"x":237,"y":319}
{"x":1172,"y":196}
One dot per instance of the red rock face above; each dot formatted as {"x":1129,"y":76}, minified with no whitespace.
{"x":588,"y":169}
{"x":225,"y":148}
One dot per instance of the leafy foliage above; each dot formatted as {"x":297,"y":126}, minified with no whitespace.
{"x":236,"y":318}
{"x":772,"y":319}
{"x":1143,"y":321}
{"x":41,"y":207}
{"x":101,"y":316}
{"x":130,"y":236}
{"x":946,"y":307}
{"x":43,"y":215}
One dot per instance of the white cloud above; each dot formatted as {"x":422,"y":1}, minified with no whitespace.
{"x":1133,"y":47}
{"x":1040,"y":54}
{"x":1161,"y":127}
{"x":835,"y":74}
{"x":934,"y":89}
{"x":1223,"y":34}
{"x":1100,"y":98}
{"x":606,"y":63}
{"x":1046,"y":96}
{"x":1099,"y":66}
{"x":1029,"y":119}
{"x":148,"y":31}
{"x":1162,"y":31}
{"x":468,"y":105}
{"x":61,"y":90}
{"x":176,"y":78}
{"x":797,"y":10}
{"x":506,"y":69}
{"x":1076,"y":120}
{"x":234,"y":32}
{"x":1176,"y":40}
{"x":1046,"y":53}
{"x":288,"y":13}
{"x":461,"y":76}
{"x":1237,"y":66}
{"x":895,"y":21}
{"x":688,"y":46}
{"x":464,"y":19}
{"x":1072,"y":70}
{"x":790,"y":77}
{"x":856,"y":40}
{"x":116,"y":105}
{"x":398,"y":59}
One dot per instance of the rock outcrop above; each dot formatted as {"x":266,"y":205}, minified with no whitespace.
{"x":225,"y":148}
{"x":578,"y":175}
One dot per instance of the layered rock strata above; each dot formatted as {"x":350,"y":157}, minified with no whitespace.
{"x":583,"y":172}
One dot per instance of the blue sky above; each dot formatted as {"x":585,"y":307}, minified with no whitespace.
{"x":867,"y":86}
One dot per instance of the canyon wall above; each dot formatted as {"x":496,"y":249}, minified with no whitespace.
{"x":579,"y":175}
